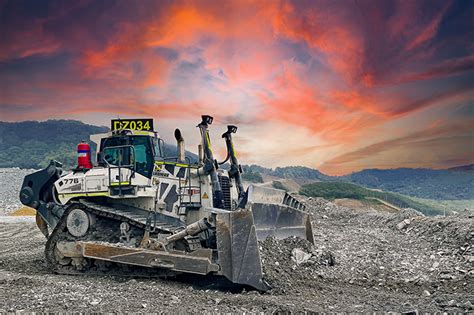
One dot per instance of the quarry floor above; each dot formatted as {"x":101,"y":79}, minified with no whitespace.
{"x":397,"y":262}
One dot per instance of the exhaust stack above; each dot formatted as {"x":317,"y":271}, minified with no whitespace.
{"x":180,"y":145}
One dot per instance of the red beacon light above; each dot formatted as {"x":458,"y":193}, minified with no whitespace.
{"x":84,"y":156}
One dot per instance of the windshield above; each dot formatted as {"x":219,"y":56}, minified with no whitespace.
{"x":118,"y":150}
{"x":119,"y":156}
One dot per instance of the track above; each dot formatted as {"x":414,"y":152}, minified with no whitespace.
{"x":106,"y":228}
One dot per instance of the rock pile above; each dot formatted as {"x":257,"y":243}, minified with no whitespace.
{"x":290,"y":262}
{"x":11,"y":180}
{"x":395,"y":250}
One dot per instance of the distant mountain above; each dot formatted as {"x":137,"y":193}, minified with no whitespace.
{"x":32,"y":144}
{"x":299,"y":174}
{"x":449,"y":184}
{"x":463,"y":168}
{"x":419,"y":182}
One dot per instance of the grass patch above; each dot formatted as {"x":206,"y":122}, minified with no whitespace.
{"x":279,"y":185}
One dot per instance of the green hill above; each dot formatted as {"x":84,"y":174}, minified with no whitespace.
{"x":337,"y":190}
{"x":32,"y":144}
{"x":297,"y":173}
{"x":450,"y":184}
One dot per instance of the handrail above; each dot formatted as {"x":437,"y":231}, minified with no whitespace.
{"x":188,"y":160}
{"x":179,"y":164}
{"x":119,"y":167}
{"x":188,"y":186}
{"x":180,"y":187}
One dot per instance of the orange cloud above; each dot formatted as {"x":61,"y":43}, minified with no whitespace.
{"x":322,"y":31}
{"x":355,"y":100}
{"x":418,"y":143}
{"x":429,"y":31}
{"x":293,"y":101}
{"x":446,"y":68}
{"x":337,"y":71}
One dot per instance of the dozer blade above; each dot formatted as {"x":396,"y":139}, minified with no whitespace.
{"x":281,"y":221}
{"x":239,"y":256}
{"x":278,"y":214}
{"x":264,"y":212}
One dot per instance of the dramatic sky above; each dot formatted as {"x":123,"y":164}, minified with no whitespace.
{"x":335,"y":85}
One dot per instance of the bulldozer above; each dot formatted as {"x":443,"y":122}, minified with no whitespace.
{"x":141,"y":212}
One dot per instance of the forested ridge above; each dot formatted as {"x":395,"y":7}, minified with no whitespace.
{"x":32,"y":144}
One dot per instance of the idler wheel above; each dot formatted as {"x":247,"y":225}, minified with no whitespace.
{"x":78,"y":222}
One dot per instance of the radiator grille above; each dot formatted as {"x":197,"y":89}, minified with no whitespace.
{"x":225,"y":185}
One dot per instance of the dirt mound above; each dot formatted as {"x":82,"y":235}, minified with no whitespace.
{"x":409,"y":214}
{"x":455,"y":232}
{"x":289,"y":263}
{"x":322,"y":208}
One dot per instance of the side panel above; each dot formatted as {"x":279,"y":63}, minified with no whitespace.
{"x":92,"y":183}
{"x":98,"y":181}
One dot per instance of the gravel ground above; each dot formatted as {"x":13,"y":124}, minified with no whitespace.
{"x":11,"y":180}
{"x":362,"y":261}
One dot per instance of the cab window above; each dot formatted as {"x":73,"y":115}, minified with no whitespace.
{"x":141,"y":157}
{"x":158,"y":148}
{"x":119,"y":156}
